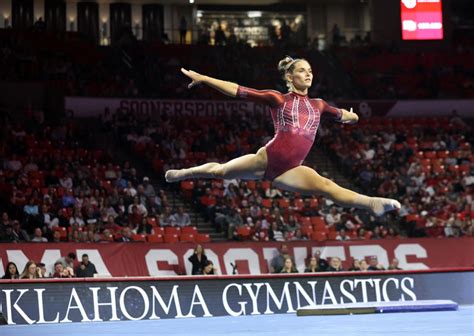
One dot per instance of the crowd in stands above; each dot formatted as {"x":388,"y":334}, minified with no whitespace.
{"x":430,"y":173}
{"x":55,"y":187}
{"x":425,"y":163}
{"x":388,"y":72}
{"x":152,"y":70}
{"x":64,"y":267}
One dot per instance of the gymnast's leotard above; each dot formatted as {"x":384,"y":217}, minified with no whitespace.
{"x":296,"y":119}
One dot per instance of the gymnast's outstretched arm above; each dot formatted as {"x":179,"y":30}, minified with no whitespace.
{"x":269,"y":97}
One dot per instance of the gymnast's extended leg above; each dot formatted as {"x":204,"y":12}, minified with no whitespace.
{"x":306,"y":181}
{"x":247,"y":167}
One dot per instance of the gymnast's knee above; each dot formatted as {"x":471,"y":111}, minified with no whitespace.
{"x":218,"y":171}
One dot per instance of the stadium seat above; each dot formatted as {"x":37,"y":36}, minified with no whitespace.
{"x":171,"y":230}
{"x":305,"y":220}
{"x":171,"y":238}
{"x":202,"y":238}
{"x":318,"y":236}
{"x":332,"y":235}
{"x":138,"y":238}
{"x":153,"y":221}
{"x":186,"y":238}
{"x":189,"y":230}
{"x":319,"y":224}
{"x":284,"y":203}
{"x":243,"y":232}
{"x":155,"y":238}
{"x":267,"y":203}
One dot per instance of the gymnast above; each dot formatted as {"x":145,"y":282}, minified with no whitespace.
{"x":296,"y":119}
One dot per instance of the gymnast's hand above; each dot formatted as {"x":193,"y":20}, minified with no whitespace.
{"x":349,"y":117}
{"x":195,"y":77}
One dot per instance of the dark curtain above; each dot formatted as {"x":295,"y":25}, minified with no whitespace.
{"x":120,"y":20}
{"x":55,"y":15}
{"x":152,"y":22}
{"x":88,"y":20}
{"x":22,"y":14}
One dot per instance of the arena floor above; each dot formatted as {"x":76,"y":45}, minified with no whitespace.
{"x":459,"y":323}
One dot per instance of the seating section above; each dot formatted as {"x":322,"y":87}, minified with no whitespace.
{"x":52,"y":180}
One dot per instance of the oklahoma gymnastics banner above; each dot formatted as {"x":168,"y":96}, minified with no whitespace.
{"x":79,"y":300}
{"x":147,"y":259}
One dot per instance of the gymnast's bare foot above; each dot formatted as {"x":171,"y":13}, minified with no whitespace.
{"x":174,"y":175}
{"x":379,"y":205}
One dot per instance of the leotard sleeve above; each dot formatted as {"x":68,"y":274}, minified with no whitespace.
{"x":269,"y":97}
{"x":331,"y":110}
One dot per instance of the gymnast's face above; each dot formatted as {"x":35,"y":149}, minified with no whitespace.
{"x":301,"y":76}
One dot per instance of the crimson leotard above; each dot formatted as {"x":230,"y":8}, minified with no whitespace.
{"x":296,"y":120}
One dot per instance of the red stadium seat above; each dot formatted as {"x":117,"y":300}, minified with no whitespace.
{"x":244,"y":231}
{"x":138,"y":238}
{"x":171,"y":238}
{"x":159,"y":230}
{"x":265,"y":185}
{"x":152,"y":221}
{"x":318,"y":236}
{"x":251,"y":185}
{"x":171,"y":230}
{"x":319,"y":223}
{"x":189,"y":230}
{"x":332,"y":235}
{"x":284,"y":203}
{"x":155,"y":238}
{"x":267,"y":203}
{"x":299,"y":204}
{"x":307,"y":230}
{"x":305,"y":220}
{"x":187,"y":238}
{"x":202,"y":238}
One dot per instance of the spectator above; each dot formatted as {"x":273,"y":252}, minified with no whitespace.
{"x":355,"y":265}
{"x":60,"y":271}
{"x":31,"y":271}
{"x":38,"y":237}
{"x":333,"y":218}
{"x":322,"y":263}
{"x":18,"y":233}
{"x":342,"y":235}
{"x":144,"y":227}
{"x":68,"y":262}
{"x":148,"y":189}
{"x":276,"y":233}
{"x":272,"y":192}
{"x":126,"y":235}
{"x":86,"y":269}
{"x":374,"y":264}
{"x":288,"y":266}
{"x":183,"y":28}
{"x":394,"y":265}
{"x":278,"y":262}
{"x":364,"y":267}
{"x":234,"y":220}
{"x":312,"y":266}
{"x":12,"y":271}
{"x":198,"y":260}
{"x":209,"y":268}
{"x":335,"y":265}
{"x":167,"y":219}
{"x":182,"y":218}
{"x":42,"y":268}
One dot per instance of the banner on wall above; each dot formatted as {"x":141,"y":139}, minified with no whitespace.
{"x":93,"y":107}
{"x":143,"y":259}
{"x":60,"y":301}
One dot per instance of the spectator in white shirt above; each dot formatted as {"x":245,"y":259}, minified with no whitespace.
{"x":182,"y":218}
{"x":38,"y":237}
